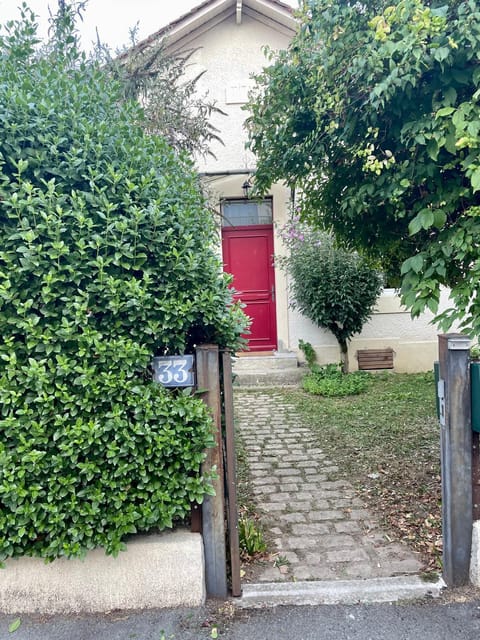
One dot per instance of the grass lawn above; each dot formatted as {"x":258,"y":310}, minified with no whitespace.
{"x":387,"y":441}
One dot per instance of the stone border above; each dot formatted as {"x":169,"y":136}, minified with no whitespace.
{"x":338,"y":592}
{"x":164,"y":570}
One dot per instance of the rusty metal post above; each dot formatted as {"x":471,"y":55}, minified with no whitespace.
{"x":231,"y":476}
{"x":213,"y":507}
{"x":456,"y":454}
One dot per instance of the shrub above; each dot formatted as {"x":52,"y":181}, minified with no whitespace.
{"x":331,"y":382}
{"x":335,"y":288}
{"x":106,"y":259}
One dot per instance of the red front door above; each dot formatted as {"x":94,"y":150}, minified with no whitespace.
{"x":248,"y":256}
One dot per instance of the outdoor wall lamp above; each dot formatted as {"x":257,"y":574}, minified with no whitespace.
{"x":246,"y":186}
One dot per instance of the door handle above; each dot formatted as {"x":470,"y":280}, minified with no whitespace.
{"x":272,"y":291}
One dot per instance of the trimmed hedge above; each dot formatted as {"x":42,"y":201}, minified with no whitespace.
{"x":106,"y":259}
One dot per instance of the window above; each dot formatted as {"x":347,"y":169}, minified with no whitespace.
{"x":242,"y":213}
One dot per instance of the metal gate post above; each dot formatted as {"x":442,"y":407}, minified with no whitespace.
{"x":231,"y":477}
{"x":456,"y":455}
{"x":213,"y":507}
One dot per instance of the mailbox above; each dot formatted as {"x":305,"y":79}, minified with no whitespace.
{"x":475,"y":379}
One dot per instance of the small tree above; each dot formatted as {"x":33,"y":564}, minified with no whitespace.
{"x":374,"y":113}
{"x":173,"y":106}
{"x":335,"y":288}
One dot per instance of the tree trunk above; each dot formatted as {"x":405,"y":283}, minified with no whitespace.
{"x":344,"y":355}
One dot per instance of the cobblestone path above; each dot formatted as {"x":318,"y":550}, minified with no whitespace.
{"x":318,"y":528}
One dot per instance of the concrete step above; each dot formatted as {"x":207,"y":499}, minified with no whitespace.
{"x":338,"y":592}
{"x":277,"y":369}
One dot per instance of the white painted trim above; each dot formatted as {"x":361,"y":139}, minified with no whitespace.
{"x":239,"y":11}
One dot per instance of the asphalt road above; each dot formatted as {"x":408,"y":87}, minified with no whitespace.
{"x":426,"y":621}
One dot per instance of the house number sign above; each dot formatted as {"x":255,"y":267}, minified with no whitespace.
{"x":174,"y":371}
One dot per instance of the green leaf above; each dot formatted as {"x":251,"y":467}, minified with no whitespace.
{"x":439,"y":219}
{"x":13,"y":626}
{"x":475,"y":179}
{"x":415,"y":225}
{"x":432,"y":149}
{"x":450,"y":95}
{"x":441,"y":54}
{"x":444,"y":111}
{"x":415,"y":263}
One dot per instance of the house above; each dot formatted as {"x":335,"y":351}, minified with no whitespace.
{"x":228,"y":37}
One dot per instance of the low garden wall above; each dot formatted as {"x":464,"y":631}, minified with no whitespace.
{"x":164,"y":570}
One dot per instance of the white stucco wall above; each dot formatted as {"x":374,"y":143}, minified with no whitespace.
{"x":414,"y":341}
{"x":229,"y":53}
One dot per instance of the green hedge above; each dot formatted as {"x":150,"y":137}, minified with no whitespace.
{"x":106,"y":259}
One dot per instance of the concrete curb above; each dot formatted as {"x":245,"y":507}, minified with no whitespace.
{"x":338,"y":592}
{"x":157,"y":571}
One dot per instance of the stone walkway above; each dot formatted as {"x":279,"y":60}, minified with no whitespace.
{"x":318,"y":528}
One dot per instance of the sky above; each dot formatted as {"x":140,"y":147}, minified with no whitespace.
{"x":113,"y":18}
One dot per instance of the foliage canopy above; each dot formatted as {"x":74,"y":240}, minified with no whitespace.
{"x":374,"y":113}
{"x":106,"y":260}
{"x":335,"y":288}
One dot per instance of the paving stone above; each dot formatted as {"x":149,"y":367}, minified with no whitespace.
{"x":288,"y":486}
{"x":347,"y":527}
{"x":259,"y":475}
{"x":292,"y":517}
{"x":303,"y":495}
{"x":311,"y":471}
{"x":311,"y":486}
{"x":315,"y":516}
{"x":287,"y":472}
{"x":290,"y":556}
{"x":299,"y":506}
{"x":280,"y":497}
{"x":305,"y":461}
{"x":271,"y":574}
{"x":347,"y":555}
{"x":296,"y":542}
{"x":400,"y":567}
{"x":314,"y":572}
{"x":259,"y":465}
{"x":395,"y":553}
{"x":363,"y":571}
{"x":320,"y":505}
{"x":317,"y":529}
{"x":266,"y":488}
{"x":271,"y":506}
{"x":317,"y":520}
{"x":338,"y":541}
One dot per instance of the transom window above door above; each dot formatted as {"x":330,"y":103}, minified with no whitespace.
{"x":243,"y":212}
